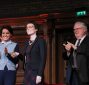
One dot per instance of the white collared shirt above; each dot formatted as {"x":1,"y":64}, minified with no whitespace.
{"x":6,"y":43}
{"x":80,"y":40}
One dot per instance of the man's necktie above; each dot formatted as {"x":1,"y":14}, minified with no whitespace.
{"x":78,"y":43}
{"x":74,"y":54}
{"x":30,"y":42}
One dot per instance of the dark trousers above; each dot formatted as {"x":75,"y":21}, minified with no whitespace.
{"x":75,"y":80}
{"x":68,"y":74}
{"x":7,"y":77}
{"x":30,"y":77}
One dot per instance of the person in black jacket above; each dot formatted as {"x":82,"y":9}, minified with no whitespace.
{"x":35,"y":56}
{"x":77,"y":56}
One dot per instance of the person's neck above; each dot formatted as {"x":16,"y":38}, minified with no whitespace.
{"x":6,"y":40}
{"x":81,"y":37}
{"x":33,"y":37}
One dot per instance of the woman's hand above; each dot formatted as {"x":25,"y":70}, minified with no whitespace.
{"x":6,"y":51}
{"x":14,"y":54}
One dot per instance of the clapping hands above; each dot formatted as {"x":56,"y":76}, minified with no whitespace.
{"x":13,"y":54}
{"x":69,"y":46}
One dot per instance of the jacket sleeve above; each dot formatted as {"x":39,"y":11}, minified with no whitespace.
{"x":16,"y":59}
{"x":65,"y":57}
{"x":43,"y":53}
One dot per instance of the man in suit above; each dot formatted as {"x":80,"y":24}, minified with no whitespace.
{"x":35,"y":56}
{"x":78,"y":55}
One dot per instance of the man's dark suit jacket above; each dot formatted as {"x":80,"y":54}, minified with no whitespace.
{"x":82,"y":58}
{"x":37,"y":55}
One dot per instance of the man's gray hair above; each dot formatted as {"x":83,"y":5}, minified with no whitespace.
{"x":83,"y":25}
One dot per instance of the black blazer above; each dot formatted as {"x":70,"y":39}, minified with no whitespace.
{"x":37,"y":55}
{"x":82,"y":58}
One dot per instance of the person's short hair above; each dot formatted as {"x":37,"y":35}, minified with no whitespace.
{"x":36,"y":25}
{"x":83,"y":24}
{"x":8,"y":27}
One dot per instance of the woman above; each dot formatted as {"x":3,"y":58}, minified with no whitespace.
{"x":35,"y":52}
{"x":9,"y":52}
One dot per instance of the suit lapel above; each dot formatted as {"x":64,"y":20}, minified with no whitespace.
{"x":83,"y":41}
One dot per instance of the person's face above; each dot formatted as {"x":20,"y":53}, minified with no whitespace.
{"x":79,"y":30}
{"x":30,"y":29}
{"x":6,"y":35}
